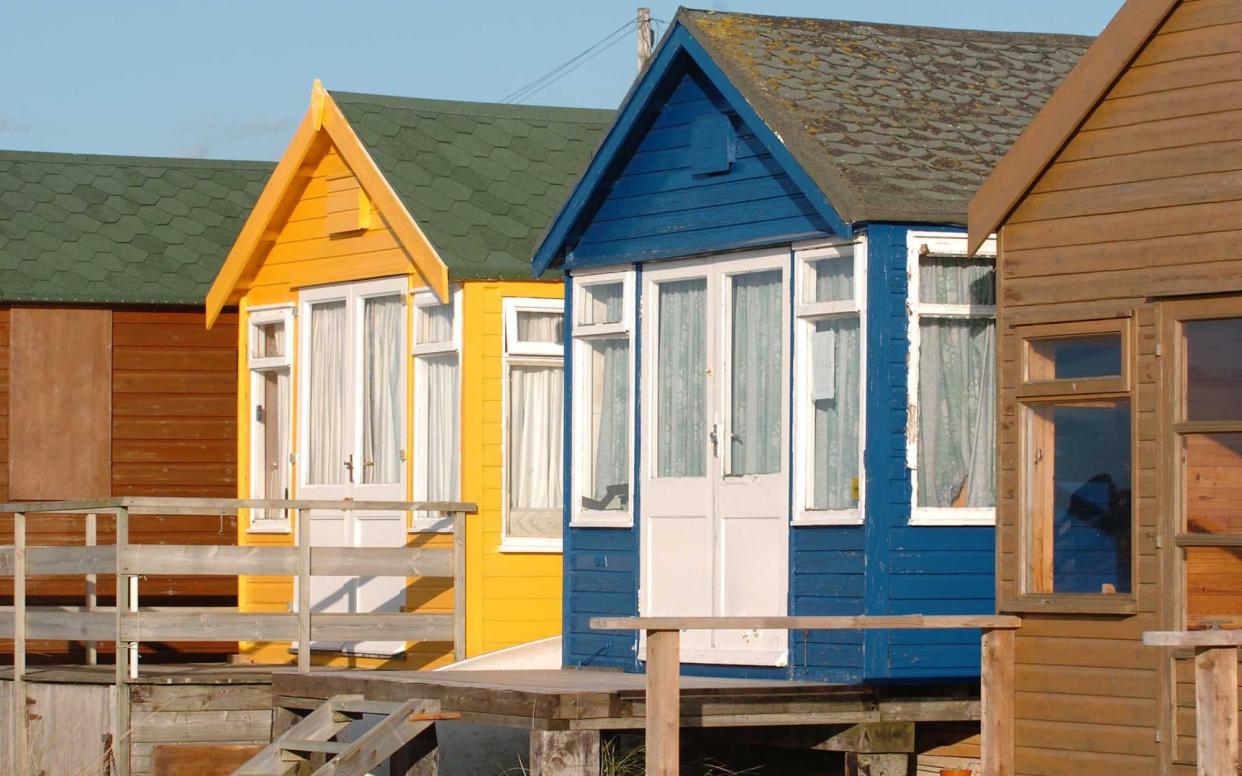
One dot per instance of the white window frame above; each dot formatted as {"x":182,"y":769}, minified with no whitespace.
{"x":806,"y":315}
{"x":256,"y":368}
{"x":423,"y":522}
{"x":919,"y":244}
{"x":583,"y":335}
{"x":519,"y":353}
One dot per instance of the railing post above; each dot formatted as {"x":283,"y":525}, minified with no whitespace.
{"x":663,"y":702}
{"x":92,"y":581}
{"x":304,"y":592}
{"x":21,"y":743}
{"x":997,"y":696}
{"x":121,"y":736}
{"x":459,"y":586}
{"x":1216,"y":710}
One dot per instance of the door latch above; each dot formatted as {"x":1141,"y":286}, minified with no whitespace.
{"x":349,"y":466}
{"x":715,"y":442}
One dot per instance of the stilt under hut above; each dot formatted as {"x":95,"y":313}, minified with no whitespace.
{"x":1119,"y":308}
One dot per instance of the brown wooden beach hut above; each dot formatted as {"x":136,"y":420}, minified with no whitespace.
{"x":109,"y":385}
{"x":1119,"y":215}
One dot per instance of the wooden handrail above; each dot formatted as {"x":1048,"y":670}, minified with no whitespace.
{"x":175,"y":505}
{"x":1216,"y":694}
{"x":663,"y":696}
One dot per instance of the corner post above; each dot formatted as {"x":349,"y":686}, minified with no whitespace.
{"x":92,"y":581}
{"x":663,"y":702}
{"x":1216,"y":709}
{"x":21,"y":743}
{"x":997,"y":696}
{"x":304,"y":593}
{"x":121,"y":736}
{"x":459,"y":586}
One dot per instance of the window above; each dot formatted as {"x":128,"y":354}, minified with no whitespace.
{"x":534,"y":401}
{"x":829,"y":414}
{"x":1077,"y":476}
{"x":951,"y":432}
{"x":437,"y":414}
{"x":603,"y":413}
{"x":268,"y":356}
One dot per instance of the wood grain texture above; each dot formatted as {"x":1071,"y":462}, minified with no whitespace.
{"x":60,"y":406}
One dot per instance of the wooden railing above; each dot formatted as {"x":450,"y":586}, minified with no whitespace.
{"x":1216,"y":694}
{"x":127,"y":624}
{"x":663,"y":709}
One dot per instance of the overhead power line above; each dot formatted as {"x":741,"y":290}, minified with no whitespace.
{"x":570,"y":65}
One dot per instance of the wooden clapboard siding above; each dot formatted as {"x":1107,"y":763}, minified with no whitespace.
{"x":511,"y":597}
{"x":1142,"y":203}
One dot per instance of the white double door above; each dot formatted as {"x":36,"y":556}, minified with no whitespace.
{"x":352,"y":429}
{"x":715,"y":468}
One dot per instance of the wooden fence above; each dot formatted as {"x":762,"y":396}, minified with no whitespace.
{"x":127,"y":624}
{"x":663,"y":708}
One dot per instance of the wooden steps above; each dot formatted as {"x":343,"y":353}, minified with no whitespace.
{"x":315,"y":734}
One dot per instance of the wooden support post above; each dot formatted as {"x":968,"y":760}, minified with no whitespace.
{"x":92,"y":580}
{"x":564,"y":753}
{"x":646,"y":36}
{"x":663,"y":702}
{"x":877,"y":764}
{"x":121,"y":736}
{"x":20,"y":741}
{"x":459,"y":586}
{"x":997,"y":695}
{"x":1216,"y":710}
{"x":304,"y":592}
{"x":419,"y":756}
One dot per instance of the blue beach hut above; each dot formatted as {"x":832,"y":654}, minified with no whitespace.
{"x":779,"y":357}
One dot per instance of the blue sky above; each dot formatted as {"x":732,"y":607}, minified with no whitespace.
{"x":230,"y":78}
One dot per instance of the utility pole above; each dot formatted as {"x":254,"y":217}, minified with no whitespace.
{"x":646,"y":37}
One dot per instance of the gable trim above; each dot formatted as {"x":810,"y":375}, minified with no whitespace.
{"x":678,"y":43}
{"x":323,"y":116}
{"x":1055,"y":125}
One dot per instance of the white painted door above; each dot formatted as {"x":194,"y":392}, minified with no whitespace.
{"x":352,"y":424}
{"x":715,"y":483}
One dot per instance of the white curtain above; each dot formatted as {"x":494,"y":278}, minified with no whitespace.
{"x":757,"y":387}
{"x":681,"y":384}
{"x":834,"y":279}
{"x":328,"y":373}
{"x":957,"y":412}
{"x":836,"y":399}
{"x":540,"y":327}
{"x":441,"y":450}
{"x":604,"y":303}
{"x":435,"y":324}
{"x":536,"y":421}
{"x":610,"y":421}
{"x":381,"y":400}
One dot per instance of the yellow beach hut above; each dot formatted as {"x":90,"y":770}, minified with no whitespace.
{"x":393,"y":346}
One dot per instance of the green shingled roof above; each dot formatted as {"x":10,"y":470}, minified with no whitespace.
{"x":114,"y":229}
{"x":482,"y":180}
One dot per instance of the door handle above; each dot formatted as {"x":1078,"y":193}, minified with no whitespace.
{"x":715,"y":442}
{"x":349,"y":466}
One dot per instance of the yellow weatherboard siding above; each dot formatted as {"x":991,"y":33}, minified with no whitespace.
{"x":512,"y":597}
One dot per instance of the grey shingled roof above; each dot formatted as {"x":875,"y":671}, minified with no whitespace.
{"x":115,"y":229}
{"x":481,"y":179}
{"x":894,"y":123}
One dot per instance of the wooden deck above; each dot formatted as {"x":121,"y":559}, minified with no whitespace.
{"x":606,"y":700}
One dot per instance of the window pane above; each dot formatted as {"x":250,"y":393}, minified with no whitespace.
{"x":756,"y":386}
{"x":1213,"y":466}
{"x":602,"y":303}
{"x":271,"y":439}
{"x":268,"y":340}
{"x":540,"y":326}
{"x":535,"y":424}
{"x":681,"y":379}
{"x":1081,"y":497}
{"x":1075,"y":358}
{"x":439,"y":450}
{"x":381,"y":390}
{"x":433,"y":324}
{"x":835,"y":401}
{"x":606,"y":459}
{"x":1213,"y":369}
{"x":957,"y":280}
{"x":831,"y":280}
{"x":328,"y":373}
{"x":957,"y":412}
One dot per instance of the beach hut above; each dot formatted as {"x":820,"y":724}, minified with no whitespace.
{"x":1120,"y":313}
{"x":779,"y":391}
{"x":394,"y":347}
{"x":111,"y":386}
